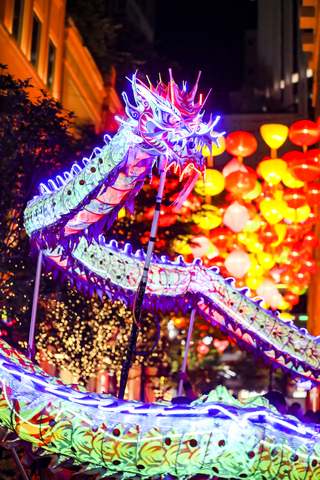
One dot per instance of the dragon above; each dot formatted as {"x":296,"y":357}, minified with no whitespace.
{"x":216,"y":435}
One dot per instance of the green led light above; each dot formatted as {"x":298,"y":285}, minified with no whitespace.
{"x":303,"y":318}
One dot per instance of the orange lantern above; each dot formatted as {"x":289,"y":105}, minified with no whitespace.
{"x":304,"y":133}
{"x":240,"y":182}
{"x":241,"y":144}
{"x":305,"y":170}
{"x":291,"y":298}
{"x":311,"y":240}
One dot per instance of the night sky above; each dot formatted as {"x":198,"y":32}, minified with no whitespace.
{"x":208,"y":36}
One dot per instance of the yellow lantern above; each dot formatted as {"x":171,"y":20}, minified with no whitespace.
{"x":289,"y":181}
{"x":272,"y":170}
{"x":243,"y":238}
{"x":256,"y":270}
{"x":253,"y":224}
{"x":253,"y":243}
{"x":286,"y":316}
{"x":283,"y":305}
{"x":208,"y":218}
{"x":281,"y":231}
{"x":214,"y":183}
{"x":266,"y":260}
{"x":274,"y":135}
{"x":298,"y":215}
{"x":215,"y":151}
{"x":253,"y":282}
{"x":273,"y":210}
{"x":182,"y":246}
{"x":254,"y":193}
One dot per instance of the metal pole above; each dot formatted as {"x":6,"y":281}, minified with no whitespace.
{"x":186,"y":353}
{"x":31,"y":346}
{"x":143,"y":283}
{"x":19,"y":464}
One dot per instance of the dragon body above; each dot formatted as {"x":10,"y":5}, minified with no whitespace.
{"x":216,"y":435}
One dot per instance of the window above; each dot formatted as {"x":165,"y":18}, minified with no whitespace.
{"x":51,"y":60}
{"x":35,"y":40}
{"x":17,"y":19}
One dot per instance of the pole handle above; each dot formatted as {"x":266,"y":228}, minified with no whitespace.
{"x":186,"y":353}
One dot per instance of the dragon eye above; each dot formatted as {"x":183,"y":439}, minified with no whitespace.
{"x":191,"y":145}
{"x":172,"y":119}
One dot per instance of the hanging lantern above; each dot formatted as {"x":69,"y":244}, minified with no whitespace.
{"x":295,"y":197}
{"x":208,"y":218}
{"x":220,"y":237}
{"x":297,"y":215}
{"x":238,"y":263}
{"x":276,"y":300}
{"x":272,"y":170}
{"x":267,"y":289}
{"x":253,"y":225}
{"x":253,"y":282}
{"x":214,"y":183}
{"x":291,"y":298}
{"x":268,"y":235}
{"x":240,"y":182}
{"x":286,"y":278}
{"x":274,"y":135}
{"x":281,"y":231}
{"x":256,"y":270}
{"x":241,"y":144}
{"x":290,"y":181}
{"x":311,"y":240}
{"x":266,"y":260}
{"x":200,"y":246}
{"x":253,"y":244}
{"x":305,"y":170}
{"x":236,"y":217}
{"x":233,"y":166}
{"x":313,"y":194}
{"x":273,"y":210}
{"x":304,"y":133}
{"x":309,"y":266}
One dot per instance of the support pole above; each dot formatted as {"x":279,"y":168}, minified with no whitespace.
{"x":18,"y":464}
{"x":143,"y":283}
{"x":31,"y":345}
{"x":186,"y":353}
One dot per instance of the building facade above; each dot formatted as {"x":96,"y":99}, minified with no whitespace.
{"x":38,"y":42}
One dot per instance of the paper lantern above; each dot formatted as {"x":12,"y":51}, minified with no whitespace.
{"x":275,"y":273}
{"x":215,"y":151}
{"x":305,"y":170}
{"x":240,"y":182}
{"x":254,"y":193}
{"x":272,"y":170}
{"x":291,"y":298}
{"x":266,"y":260}
{"x":295,"y":197}
{"x":268,"y":235}
{"x":253,"y":282}
{"x":241,"y":144}
{"x":297,"y":215}
{"x":276,"y":300}
{"x":256,"y":270}
{"x":274,"y":134}
{"x":213,"y":185}
{"x":267,"y":289}
{"x":302,"y":278}
{"x":200,"y":246}
{"x":208,"y":218}
{"x":313,"y":194}
{"x":309,"y":266}
{"x":238,"y":263}
{"x":304,"y":132}
{"x":233,"y":166}
{"x":253,"y":244}
{"x":236,"y":217}
{"x":220,"y":237}
{"x":311,"y":240}
{"x":273,"y":210}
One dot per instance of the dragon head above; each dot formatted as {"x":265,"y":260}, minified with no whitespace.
{"x":167,"y":121}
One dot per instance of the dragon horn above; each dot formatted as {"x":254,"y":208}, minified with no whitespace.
{"x":134,"y":88}
{"x":193,"y":92}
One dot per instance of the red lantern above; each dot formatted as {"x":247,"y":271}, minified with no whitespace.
{"x":291,"y":241}
{"x":305,"y":170}
{"x":291,"y":298}
{"x":287,"y":277}
{"x":241,"y":144}
{"x":298,"y":254}
{"x":313,"y":194}
{"x":293,"y":155}
{"x":240,"y":182}
{"x":268,"y":235}
{"x":313,"y":155}
{"x":302,"y":278}
{"x":294,"y":197}
{"x":304,"y":133}
{"x":220,"y":237}
{"x":219,"y":262}
{"x":311,"y":240}
{"x":309,"y":266}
